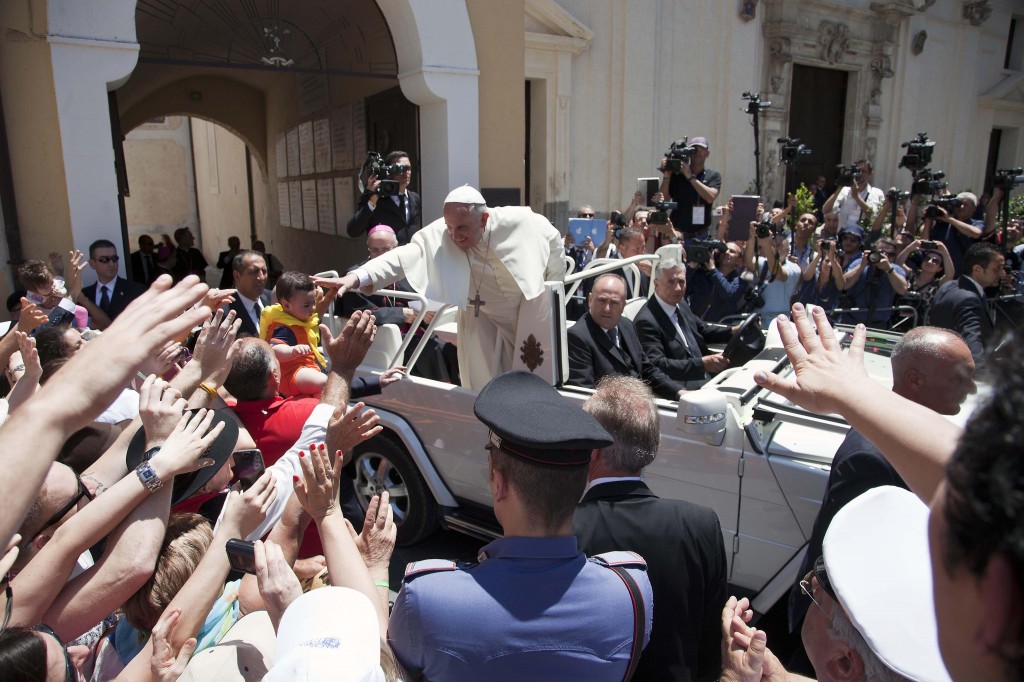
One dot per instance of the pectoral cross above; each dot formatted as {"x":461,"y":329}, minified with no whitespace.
{"x":476,"y":303}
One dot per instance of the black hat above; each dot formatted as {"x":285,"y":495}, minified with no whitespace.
{"x":186,"y":485}
{"x":531,"y":420}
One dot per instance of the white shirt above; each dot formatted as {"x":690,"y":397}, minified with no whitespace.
{"x":849,"y":209}
{"x":608,"y":479}
{"x":673,"y":314}
{"x":248,"y":304}
{"x":313,"y":431}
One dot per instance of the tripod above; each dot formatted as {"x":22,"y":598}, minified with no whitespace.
{"x":754,"y":107}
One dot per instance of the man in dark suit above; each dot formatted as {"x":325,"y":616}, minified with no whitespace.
{"x":681,"y":541}
{"x":930,"y":366}
{"x":603,"y":342}
{"x":249,"y":271}
{"x":188,"y":260}
{"x":400,"y":210}
{"x":224,"y":259}
{"x":111,"y":294}
{"x":961,"y":305}
{"x":144,"y":266}
{"x":673,"y":338}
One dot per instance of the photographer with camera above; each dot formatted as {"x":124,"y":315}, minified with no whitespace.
{"x":388,"y":200}
{"x":716,"y":287}
{"x":690,"y":185}
{"x":872,"y":283}
{"x":994,"y":233}
{"x":774,"y":276}
{"x":854,"y":196}
{"x":883,"y":217}
{"x":950,"y":220}
{"x":935,"y":270}
{"x":822,"y":279}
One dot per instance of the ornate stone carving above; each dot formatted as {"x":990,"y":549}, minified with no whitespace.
{"x":881,"y":67}
{"x":748,"y":9}
{"x":870,"y":147}
{"x":779,"y":55}
{"x":833,"y":41}
{"x":917,"y":45}
{"x":977,"y":11}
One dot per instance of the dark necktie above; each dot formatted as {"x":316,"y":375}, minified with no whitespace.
{"x":613,"y":336}
{"x":104,"y":299}
{"x":401,"y":206}
{"x":147,"y":267}
{"x":256,"y":311}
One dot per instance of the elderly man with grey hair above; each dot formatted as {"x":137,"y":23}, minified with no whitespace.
{"x":673,"y":338}
{"x":681,"y":541}
{"x":488,"y":259}
{"x":956,"y":228}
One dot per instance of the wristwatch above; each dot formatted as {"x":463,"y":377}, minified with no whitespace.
{"x":146,"y":474}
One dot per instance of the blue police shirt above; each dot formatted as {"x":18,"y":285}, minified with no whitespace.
{"x":532,"y":609}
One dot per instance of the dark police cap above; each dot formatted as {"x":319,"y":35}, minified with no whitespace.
{"x":531,"y":420}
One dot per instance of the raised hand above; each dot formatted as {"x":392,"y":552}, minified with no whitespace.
{"x":165,"y":664}
{"x":278,"y":584}
{"x":350,"y":426}
{"x":244,"y":512}
{"x":160,"y":409}
{"x":317,"y":490}
{"x":74,"y":275}
{"x":348,"y":350}
{"x":215,"y":347}
{"x":30,"y":317}
{"x":215,"y":299}
{"x":29,"y":357}
{"x":180,"y":452}
{"x":821,"y":371}
{"x":376,"y":542}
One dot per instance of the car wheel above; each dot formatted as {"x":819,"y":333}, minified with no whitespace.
{"x":383,"y":465}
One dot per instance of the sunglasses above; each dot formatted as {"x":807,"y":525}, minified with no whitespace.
{"x":933,"y":259}
{"x":81,"y":492}
{"x":586,"y":215}
{"x":69,"y":670}
{"x":107,"y":259}
{"x":821,"y":575}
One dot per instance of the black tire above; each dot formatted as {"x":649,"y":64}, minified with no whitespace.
{"x":382,"y":464}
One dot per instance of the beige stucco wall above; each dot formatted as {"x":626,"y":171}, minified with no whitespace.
{"x":500,"y":57}
{"x":30,"y":115}
{"x":158,"y":159}
{"x":222,"y":191}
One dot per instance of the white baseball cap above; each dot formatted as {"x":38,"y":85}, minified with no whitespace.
{"x":876,"y":556}
{"x":328,"y":634}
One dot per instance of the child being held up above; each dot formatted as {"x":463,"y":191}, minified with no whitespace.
{"x":292,"y":327}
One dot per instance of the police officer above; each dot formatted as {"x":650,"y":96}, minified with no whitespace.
{"x":533,"y":607}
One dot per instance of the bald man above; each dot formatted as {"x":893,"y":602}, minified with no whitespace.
{"x":930,"y":366}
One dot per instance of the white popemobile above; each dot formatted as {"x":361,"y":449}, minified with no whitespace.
{"x":759,"y":461}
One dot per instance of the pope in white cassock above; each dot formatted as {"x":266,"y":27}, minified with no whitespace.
{"x":486,"y":261}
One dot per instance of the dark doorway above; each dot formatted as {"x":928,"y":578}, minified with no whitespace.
{"x":393,"y":124}
{"x":817,"y":114}
{"x":995,"y":139}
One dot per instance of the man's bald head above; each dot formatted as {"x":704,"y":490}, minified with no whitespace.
{"x":933,"y":367}
{"x":255,"y":373}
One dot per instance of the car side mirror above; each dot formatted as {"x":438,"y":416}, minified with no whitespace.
{"x":702,"y":414}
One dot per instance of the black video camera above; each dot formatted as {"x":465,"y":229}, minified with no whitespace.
{"x":619,"y":221}
{"x":766,"y":228}
{"x":828,"y":245}
{"x":679,"y":152}
{"x":894,"y":195}
{"x":700,"y":251}
{"x":754,"y":297}
{"x":1008,"y":178}
{"x":754,"y":102}
{"x":659,"y":216}
{"x":919,"y":153}
{"x":792,"y":150}
{"x":928,"y":182}
{"x":948,"y":203}
{"x":848,"y":174}
{"x":387,"y":173}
